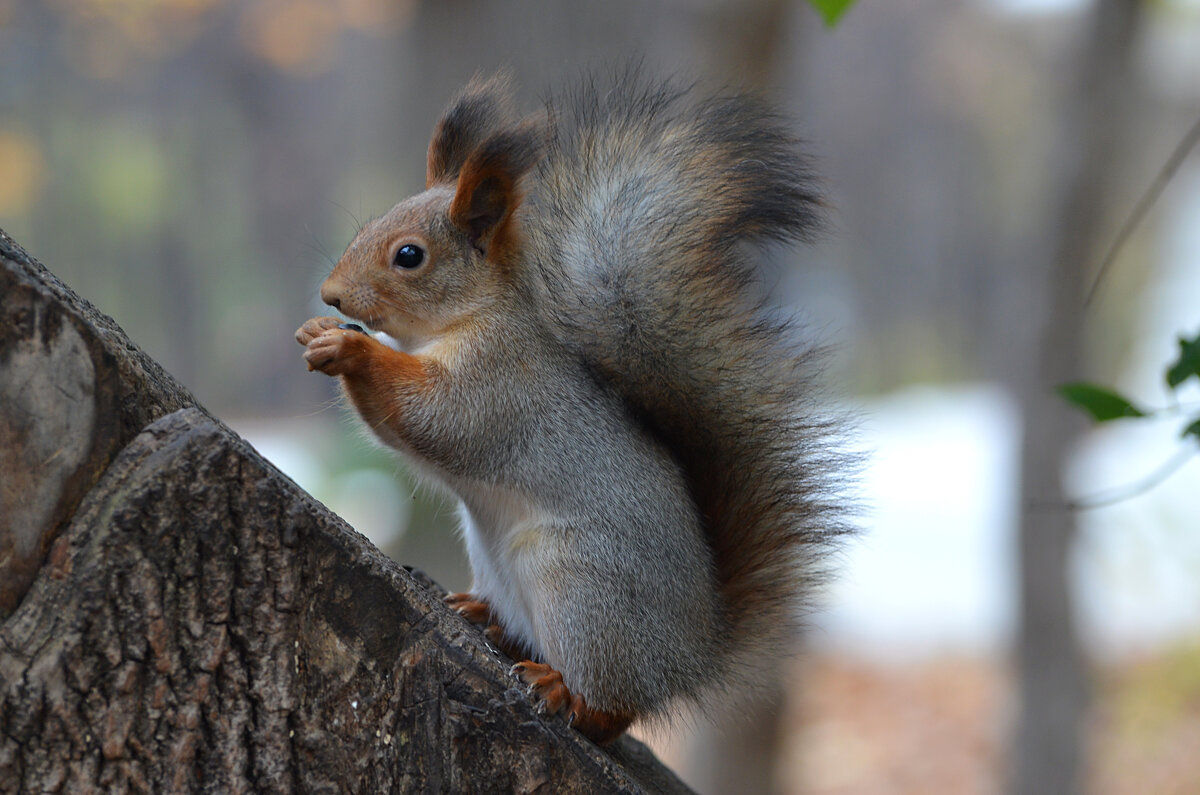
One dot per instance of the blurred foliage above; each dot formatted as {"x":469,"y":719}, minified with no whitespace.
{"x":1147,"y":724}
{"x":1188,"y":364}
{"x":22,"y":165}
{"x":1105,"y":405}
{"x":930,"y":726}
{"x":419,"y":522}
{"x":1157,"y":693}
{"x":831,"y":10}
{"x":301,"y":36}
{"x":107,"y":38}
{"x":1100,"y":402}
{"x":224,"y":151}
{"x":125,"y":177}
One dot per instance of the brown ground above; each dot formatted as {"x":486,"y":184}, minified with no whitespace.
{"x":863,"y":728}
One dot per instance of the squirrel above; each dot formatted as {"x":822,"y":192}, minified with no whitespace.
{"x":578,"y":354}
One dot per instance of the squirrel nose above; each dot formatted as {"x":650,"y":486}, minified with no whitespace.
{"x":331,"y":295}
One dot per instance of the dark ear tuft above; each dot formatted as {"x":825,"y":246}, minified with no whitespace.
{"x":477,"y":112}
{"x":487,"y":191}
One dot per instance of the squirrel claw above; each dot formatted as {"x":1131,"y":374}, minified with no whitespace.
{"x":546,"y":685}
{"x":469,"y":607}
{"x":479,"y":612}
{"x":495,"y":635}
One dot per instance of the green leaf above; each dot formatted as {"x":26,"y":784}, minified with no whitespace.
{"x":1192,"y":430}
{"x":1103,"y":404}
{"x":1188,"y":364}
{"x":831,"y":10}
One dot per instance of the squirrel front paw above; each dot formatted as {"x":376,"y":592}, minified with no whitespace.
{"x":331,"y":348}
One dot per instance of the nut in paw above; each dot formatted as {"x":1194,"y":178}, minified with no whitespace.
{"x":333,"y":350}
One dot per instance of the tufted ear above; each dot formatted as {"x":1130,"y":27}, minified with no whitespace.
{"x":488,"y":189}
{"x":476,"y":113}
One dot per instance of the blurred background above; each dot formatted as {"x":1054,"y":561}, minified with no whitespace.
{"x":194,"y":167}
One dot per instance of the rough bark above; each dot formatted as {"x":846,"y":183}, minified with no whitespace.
{"x":182,"y":617}
{"x":73,"y":391}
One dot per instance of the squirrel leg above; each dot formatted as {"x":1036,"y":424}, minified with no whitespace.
{"x":546,"y":684}
{"x":479,"y":612}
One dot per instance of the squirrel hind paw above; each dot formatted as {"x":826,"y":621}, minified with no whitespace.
{"x":478,"y":612}
{"x":553,"y":697}
{"x":470,"y":607}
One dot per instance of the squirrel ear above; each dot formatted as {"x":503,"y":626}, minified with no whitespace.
{"x":474,"y":114}
{"x":488,"y":190}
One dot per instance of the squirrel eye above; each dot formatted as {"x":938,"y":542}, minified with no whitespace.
{"x":408,"y":256}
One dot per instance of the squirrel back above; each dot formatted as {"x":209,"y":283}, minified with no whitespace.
{"x":647,"y":198}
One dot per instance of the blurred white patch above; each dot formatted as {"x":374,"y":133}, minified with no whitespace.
{"x":388,"y":341}
{"x":1138,"y":564}
{"x":371,"y":500}
{"x":1032,"y":7}
{"x":933,"y":569}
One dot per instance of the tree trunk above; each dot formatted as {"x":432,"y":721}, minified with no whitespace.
{"x":179,"y":616}
{"x":1053,"y":684}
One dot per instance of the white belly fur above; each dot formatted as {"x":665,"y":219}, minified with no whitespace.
{"x":498,"y":527}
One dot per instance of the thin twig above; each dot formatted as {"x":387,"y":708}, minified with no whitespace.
{"x":1145,"y":203}
{"x":1122,"y":493}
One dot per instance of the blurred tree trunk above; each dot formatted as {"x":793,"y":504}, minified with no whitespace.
{"x":1053,"y":682}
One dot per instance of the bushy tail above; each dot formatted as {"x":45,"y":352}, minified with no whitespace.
{"x":647,"y":197}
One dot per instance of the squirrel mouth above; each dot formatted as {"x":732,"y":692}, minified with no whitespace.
{"x":356,"y":323}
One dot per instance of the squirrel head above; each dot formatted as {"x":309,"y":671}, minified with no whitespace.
{"x":441,"y":257}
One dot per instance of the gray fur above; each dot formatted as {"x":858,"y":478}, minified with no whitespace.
{"x":645,"y":485}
